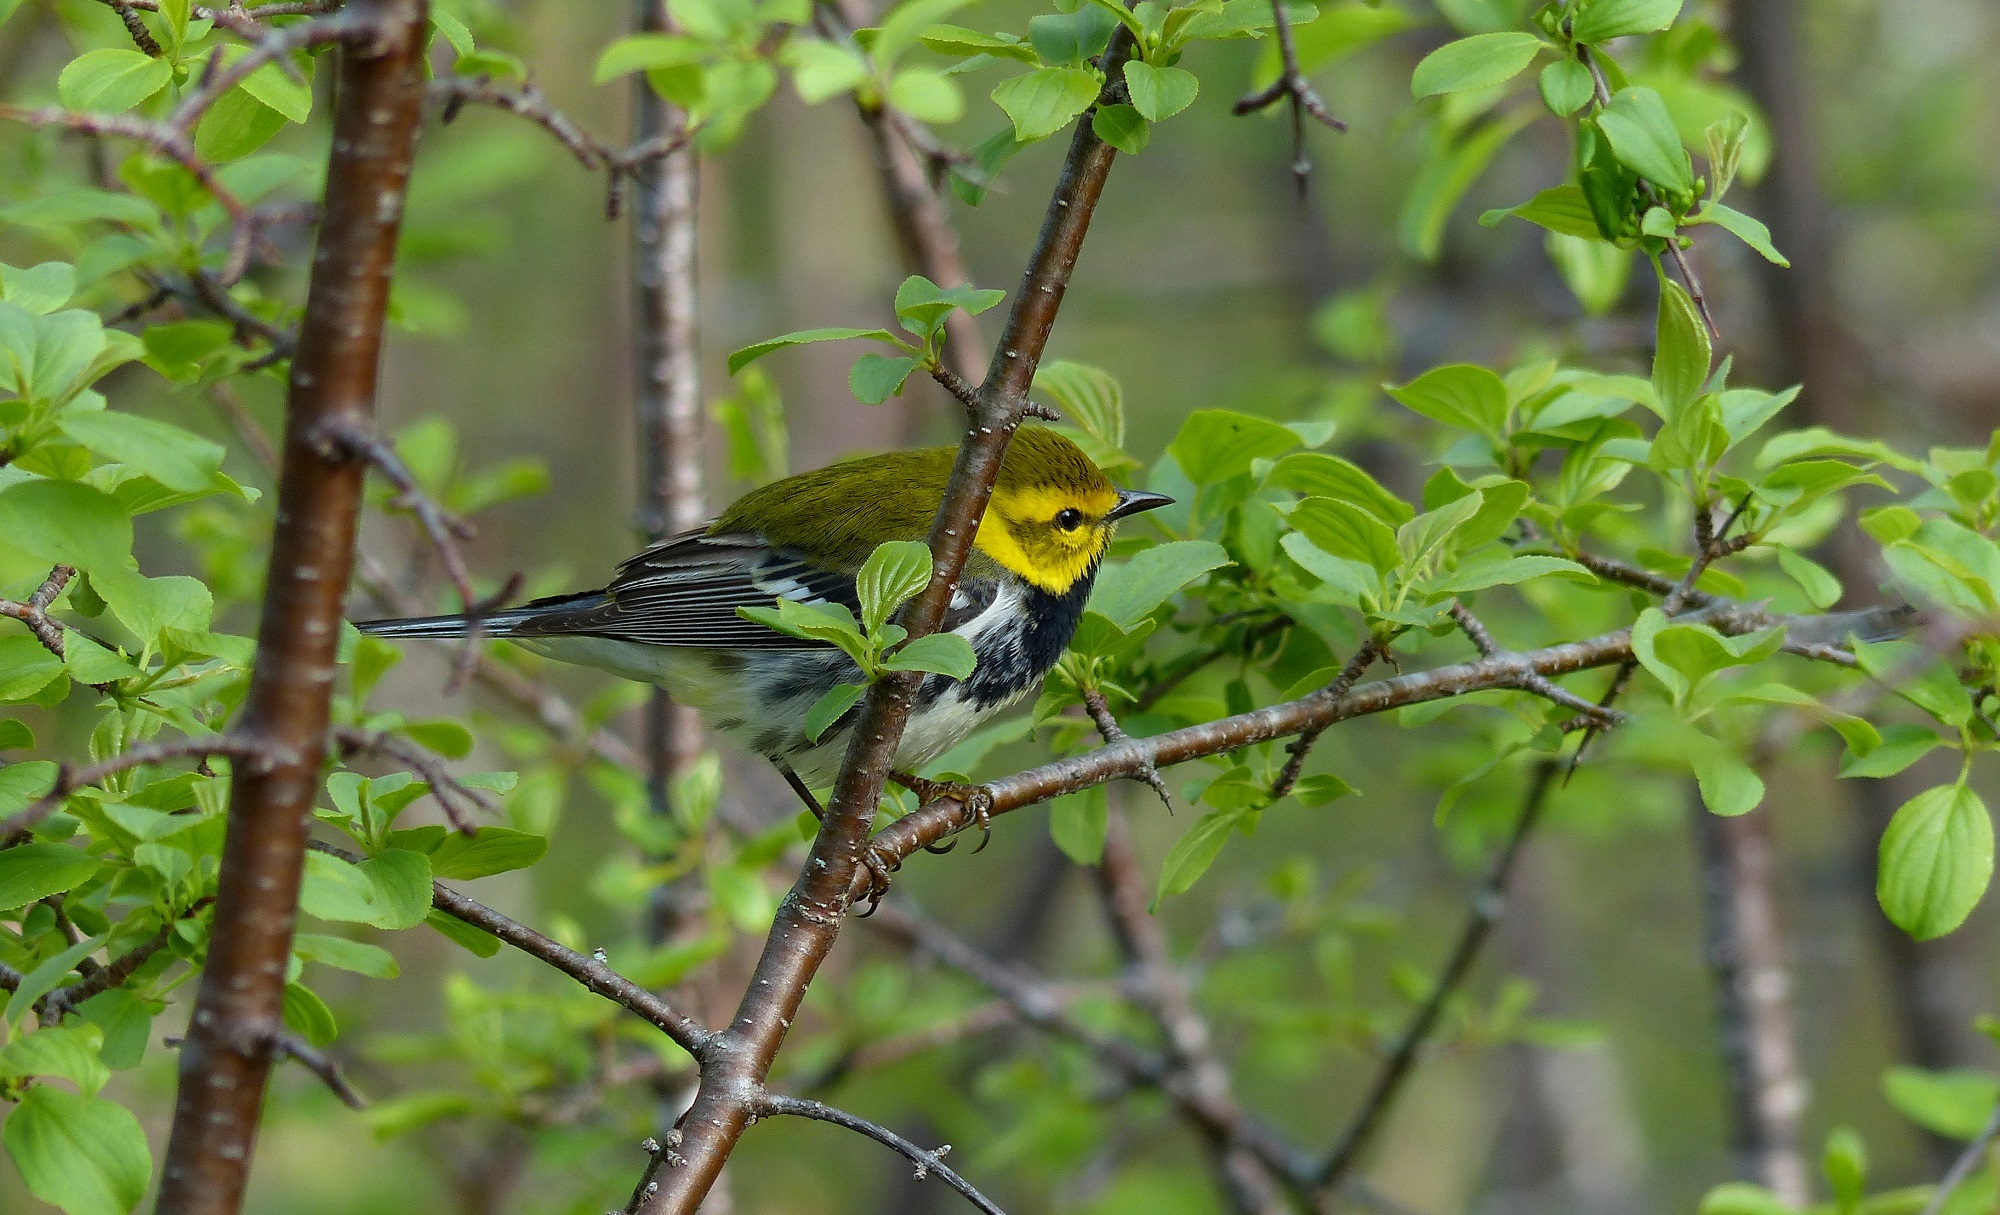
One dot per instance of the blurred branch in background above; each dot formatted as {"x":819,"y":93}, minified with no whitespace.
{"x":666,"y":356}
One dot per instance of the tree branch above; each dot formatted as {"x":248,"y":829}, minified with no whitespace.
{"x":35,"y":612}
{"x":936,"y":820}
{"x":458,"y":799}
{"x":1487,"y":904}
{"x":1292,"y":84}
{"x":774,"y":1104}
{"x":226,"y":1060}
{"x":809,"y":919}
{"x":263,"y":755}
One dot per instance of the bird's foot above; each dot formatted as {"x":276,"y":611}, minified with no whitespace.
{"x":976,"y":798}
{"x":879,"y":868}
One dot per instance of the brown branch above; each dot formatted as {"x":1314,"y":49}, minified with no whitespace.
{"x":263,"y":754}
{"x":591,"y":970}
{"x":341,"y":436}
{"x":1292,"y":84}
{"x":1121,"y":884}
{"x":222,"y":1070}
{"x":136,"y":27}
{"x":666,"y":374}
{"x":353,"y":24}
{"x":810,"y":917}
{"x":939,"y":819}
{"x":35,"y":612}
{"x":528,"y":101}
{"x":1487,"y":904}
{"x":291,"y":1046}
{"x":1295,"y":758}
{"x":57,"y":1004}
{"x":775,"y":1104}
{"x":1107,"y":725}
{"x":1592,"y":715}
{"x":458,"y":799}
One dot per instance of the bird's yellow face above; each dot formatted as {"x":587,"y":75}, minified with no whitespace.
{"x":1053,"y":511}
{"x":1050,"y":535}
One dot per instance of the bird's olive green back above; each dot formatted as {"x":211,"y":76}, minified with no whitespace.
{"x":838,"y":514}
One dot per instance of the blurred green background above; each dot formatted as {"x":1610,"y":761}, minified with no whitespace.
{"x":1206,"y":282}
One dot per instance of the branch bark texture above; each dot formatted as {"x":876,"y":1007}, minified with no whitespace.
{"x":809,"y":919}
{"x":229,"y":1049}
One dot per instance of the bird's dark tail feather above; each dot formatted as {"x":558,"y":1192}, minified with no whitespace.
{"x":498,"y":624}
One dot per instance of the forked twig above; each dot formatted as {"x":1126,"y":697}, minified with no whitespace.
{"x":1291,"y":83}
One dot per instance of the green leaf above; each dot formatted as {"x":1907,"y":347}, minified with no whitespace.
{"x":1508,"y":570}
{"x":1318,"y":475}
{"x":1903,"y":744}
{"x":1068,"y":39}
{"x":1594,"y":271}
{"x":1449,"y":168}
{"x":1936,"y":859}
{"x":1321,"y":789}
{"x":71,"y":1052}
{"x":1127,"y":593}
{"x":1195,"y":851}
{"x":830,"y":707}
{"x":235,"y":126}
{"x":1043,"y":101}
{"x":478,"y":941}
{"x":175,"y":457}
{"x":750,"y":354}
{"x":306,"y":1015}
{"x":1461,"y":395}
{"x":83,"y":1154}
{"x":1216,"y":444}
{"x":894,"y":573}
{"x":487,"y":851}
{"x":822,"y":69}
{"x":62,"y":521}
{"x":1348,"y":531}
{"x":1078,"y":822}
{"x":922,"y":305}
{"x":1819,"y":584}
{"x":927,"y":96}
{"x":1681,"y":352}
{"x":1642,"y":135}
{"x":1748,"y":229}
{"x":646,"y":52}
{"x":26,"y":667}
{"x":35,"y":871}
{"x":938,"y":653}
{"x":149,"y":605}
{"x":1741,"y":1198}
{"x":877,"y":377}
{"x":1728,"y":785}
{"x":1122,"y":127}
{"x":907,"y":22}
{"x":1956,"y":1103}
{"x":1090,"y":397}
{"x":1603,"y":20}
{"x":453,"y":30}
{"x":111,"y":80}
{"x":343,"y":954}
{"x":40,"y":289}
{"x":1566,"y":87}
{"x":390,"y":890}
{"x":958,"y":40}
{"x":44,"y":978}
{"x":1160,"y":93}
{"x":278,"y":89}
{"x":1561,"y":209}
{"x":15,"y":735}
{"x":1478,"y":62}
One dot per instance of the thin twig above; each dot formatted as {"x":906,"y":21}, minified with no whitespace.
{"x":1295,"y":754}
{"x":136,"y":27}
{"x":444,"y":530}
{"x":1107,"y":725}
{"x":457,"y":798}
{"x":1961,"y":1168}
{"x":657,"y":1154}
{"x":1487,"y":903}
{"x":1291,"y":83}
{"x":926,"y":1162}
{"x":260,"y":752}
{"x":290,"y":1045}
{"x":592,"y":970}
{"x":35,"y":612}
{"x":57,"y":1004}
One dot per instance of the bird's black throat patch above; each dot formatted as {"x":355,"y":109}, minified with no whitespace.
{"x":1011,"y":661}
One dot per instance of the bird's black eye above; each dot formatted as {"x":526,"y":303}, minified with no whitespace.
{"x":1069,"y":519}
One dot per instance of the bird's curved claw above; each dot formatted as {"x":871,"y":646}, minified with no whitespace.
{"x":879,"y":868}
{"x":976,"y":798}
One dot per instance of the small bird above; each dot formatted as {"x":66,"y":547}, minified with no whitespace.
{"x":670,"y":616}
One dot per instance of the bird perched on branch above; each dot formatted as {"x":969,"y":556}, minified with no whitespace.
{"x":671,"y":617}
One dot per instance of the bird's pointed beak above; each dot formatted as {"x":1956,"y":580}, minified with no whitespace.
{"x":1133,"y":502}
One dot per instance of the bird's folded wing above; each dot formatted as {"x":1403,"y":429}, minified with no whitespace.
{"x":684,"y":591}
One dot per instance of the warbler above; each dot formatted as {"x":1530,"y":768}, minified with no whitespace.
{"x":670,"y":616}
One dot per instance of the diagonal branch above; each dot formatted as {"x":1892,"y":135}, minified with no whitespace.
{"x":1107,"y":725}
{"x":927,"y":1162}
{"x":258,"y":754}
{"x":35,"y":612}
